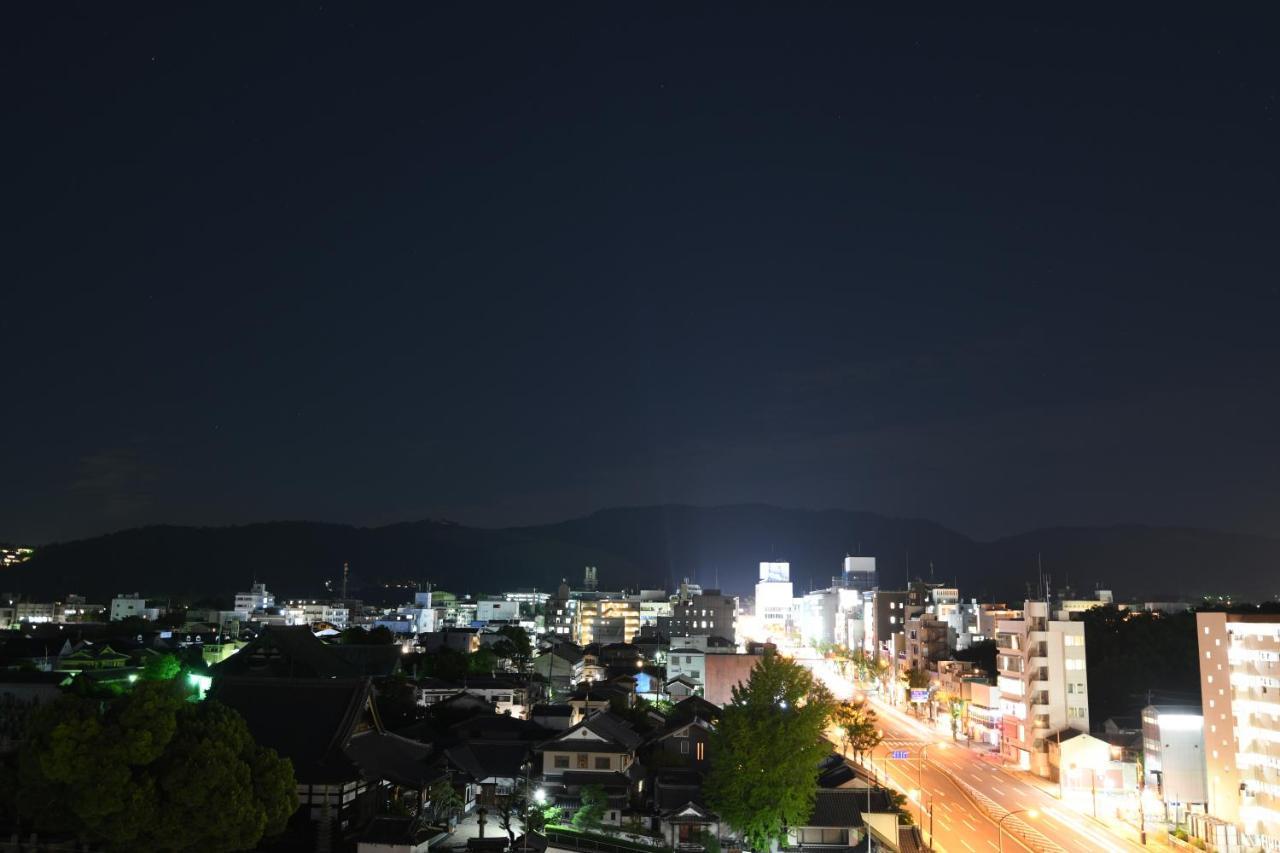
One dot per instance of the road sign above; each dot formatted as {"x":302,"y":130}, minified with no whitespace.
{"x":900,"y":754}
{"x":919,"y":694}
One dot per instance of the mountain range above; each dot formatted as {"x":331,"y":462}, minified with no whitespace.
{"x":645,"y":547}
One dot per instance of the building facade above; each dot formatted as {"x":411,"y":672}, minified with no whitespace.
{"x":1240,"y":702}
{"x":1043,"y":684}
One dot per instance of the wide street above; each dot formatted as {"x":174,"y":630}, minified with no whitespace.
{"x":968,"y":791}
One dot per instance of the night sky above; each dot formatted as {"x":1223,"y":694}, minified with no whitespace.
{"x":508,"y":264}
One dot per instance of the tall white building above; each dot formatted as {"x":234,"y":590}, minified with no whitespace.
{"x":257,"y":598}
{"x":1240,"y":701}
{"x":773,"y":597}
{"x":1043,"y":684}
{"x":860,"y":573}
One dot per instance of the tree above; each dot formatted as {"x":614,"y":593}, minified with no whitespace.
{"x":858,"y":725}
{"x":982,"y":655}
{"x":483,"y":661}
{"x":357,"y":636}
{"x":444,"y":800}
{"x":161,"y":668}
{"x":590,"y":814}
{"x":766,"y":749}
{"x":914,"y":679}
{"x":515,"y":646}
{"x":149,"y":770}
{"x":397,"y":701}
{"x":446,"y":664}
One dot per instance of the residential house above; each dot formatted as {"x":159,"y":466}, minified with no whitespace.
{"x":600,"y":750}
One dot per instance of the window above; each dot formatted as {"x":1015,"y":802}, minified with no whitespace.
{"x":702,"y":751}
{"x":582,"y":761}
{"x":562,"y":761}
{"x":602,"y":762}
{"x":684,"y":747}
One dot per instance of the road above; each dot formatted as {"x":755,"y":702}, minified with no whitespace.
{"x":965,"y":789}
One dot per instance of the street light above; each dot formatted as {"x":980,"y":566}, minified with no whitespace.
{"x":1031,"y":813}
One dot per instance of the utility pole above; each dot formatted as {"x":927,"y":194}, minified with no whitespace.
{"x":345,"y":568}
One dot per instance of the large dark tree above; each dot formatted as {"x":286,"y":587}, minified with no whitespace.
{"x":1133,"y":656}
{"x":150,"y":770}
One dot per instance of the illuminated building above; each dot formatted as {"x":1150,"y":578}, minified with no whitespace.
{"x":1240,"y":700}
{"x":1042,"y":679}
{"x":1173,"y":755}
{"x":773,"y":598}
{"x":257,"y":598}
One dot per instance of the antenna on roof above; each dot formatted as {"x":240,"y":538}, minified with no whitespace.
{"x":345,"y":568}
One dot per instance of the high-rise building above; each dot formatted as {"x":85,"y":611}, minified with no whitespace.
{"x":1042,"y":681}
{"x":773,"y":597}
{"x":860,"y":573}
{"x":590,"y":579}
{"x":1240,"y":701}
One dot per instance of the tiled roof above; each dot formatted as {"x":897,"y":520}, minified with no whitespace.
{"x":307,"y":720}
{"x":288,"y":652}
{"x":396,"y":759}
{"x":838,"y":807}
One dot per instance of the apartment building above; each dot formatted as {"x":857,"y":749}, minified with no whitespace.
{"x":1043,"y":684}
{"x":1240,"y":702}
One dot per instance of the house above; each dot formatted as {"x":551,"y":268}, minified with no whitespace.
{"x":683,"y":819}
{"x":682,"y":687}
{"x":600,"y":750}
{"x":680,"y":743}
{"x":695,"y":706}
{"x":591,"y":697}
{"x":836,"y":819}
{"x":689,"y":662}
{"x":556,"y":665}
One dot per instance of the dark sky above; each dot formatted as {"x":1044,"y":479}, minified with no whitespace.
{"x":512,"y":263}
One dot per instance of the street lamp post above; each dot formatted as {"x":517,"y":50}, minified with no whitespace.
{"x":1000,"y":825}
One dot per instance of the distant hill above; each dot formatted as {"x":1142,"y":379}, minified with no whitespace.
{"x":644,"y":546}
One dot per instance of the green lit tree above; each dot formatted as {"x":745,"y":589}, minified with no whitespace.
{"x":590,"y":814}
{"x":161,"y":668}
{"x":149,"y":770}
{"x":766,"y":749}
